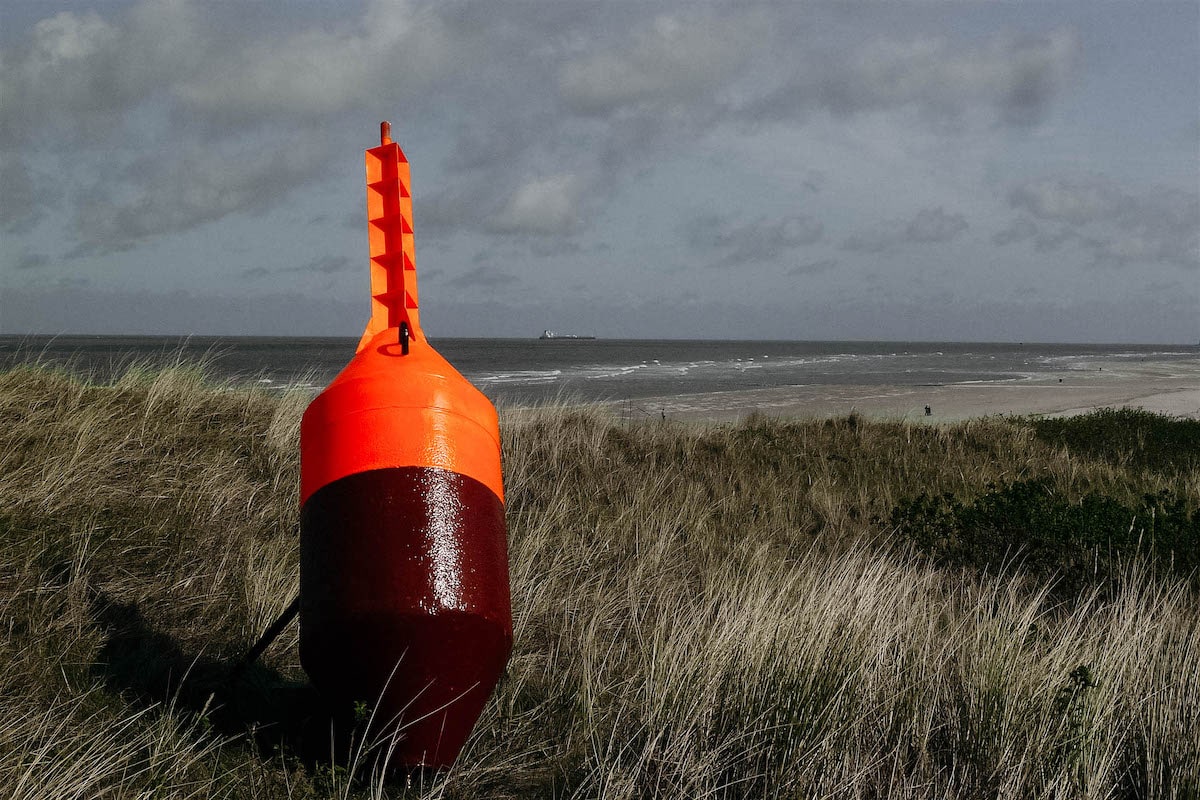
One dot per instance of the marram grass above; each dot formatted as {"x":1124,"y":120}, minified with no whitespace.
{"x":753,"y":610}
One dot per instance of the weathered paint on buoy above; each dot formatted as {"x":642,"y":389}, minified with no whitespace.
{"x":404,"y":595}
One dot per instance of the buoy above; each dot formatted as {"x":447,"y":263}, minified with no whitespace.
{"x":404,"y":594}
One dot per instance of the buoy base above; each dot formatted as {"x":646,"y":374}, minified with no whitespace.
{"x":404,"y":604}
{"x":420,"y":681}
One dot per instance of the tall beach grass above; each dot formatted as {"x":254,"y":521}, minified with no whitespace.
{"x":765,"y":609}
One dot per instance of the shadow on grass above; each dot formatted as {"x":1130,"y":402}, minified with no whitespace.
{"x":149,"y":667}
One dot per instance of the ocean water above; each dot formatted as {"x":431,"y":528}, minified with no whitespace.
{"x":520,"y":371}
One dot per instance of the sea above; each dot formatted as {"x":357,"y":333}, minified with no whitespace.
{"x":532,"y":371}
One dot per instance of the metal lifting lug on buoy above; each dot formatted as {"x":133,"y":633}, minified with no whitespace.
{"x":404,"y":594}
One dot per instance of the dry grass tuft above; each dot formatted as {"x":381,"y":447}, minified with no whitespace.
{"x":699,"y":612}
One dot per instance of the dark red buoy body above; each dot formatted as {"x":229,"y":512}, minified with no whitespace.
{"x":404,"y":595}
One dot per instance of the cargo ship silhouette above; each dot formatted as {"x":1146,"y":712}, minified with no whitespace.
{"x":553,"y":335}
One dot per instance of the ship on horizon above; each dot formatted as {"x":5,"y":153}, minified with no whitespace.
{"x":552,"y":335}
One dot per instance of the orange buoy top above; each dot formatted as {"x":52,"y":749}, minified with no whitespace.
{"x":369,"y":416}
{"x":390,"y":229}
{"x":398,"y":403}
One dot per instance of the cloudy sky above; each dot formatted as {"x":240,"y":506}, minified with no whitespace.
{"x":1022,"y":171}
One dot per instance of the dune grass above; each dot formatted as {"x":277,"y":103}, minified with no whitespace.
{"x":842,"y":608}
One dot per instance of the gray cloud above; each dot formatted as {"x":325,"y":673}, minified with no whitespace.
{"x":519,"y":250}
{"x":1164,"y":316}
{"x":1074,"y":200}
{"x":1020,"y":229}
{"x":554,"y":248}
{"x":560,"y":106}
{"x":483,"y":278}
{"x":639,"y":89}
{"x":869,"y":242}
{"x":394,"y":49}
{"x":1044,"y":238}
{"x":219,"y":67}
{"x":815,"y":180}
{"x":814,"y":267}
{"x":669,"y":59}
{"x":325,"y":265}
{"x":20,"y":206}
{"x":78,"y":74}
{"x":732,"y":243}
{"x":1014,"y":79}
{"x":197,"y":185}
{"x":934,"y":225}
{"x":929,"y":225}
{"x":322,"y":265}
{"x":76,"y":307}
{"x":31,"y":261}
{"x":1111,"y":224}
{"x":223,"y":82}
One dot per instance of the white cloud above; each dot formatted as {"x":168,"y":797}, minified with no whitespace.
{"x":79,"y":75}
{"x":394,"y":48}
{"x":67,"y":38}
{"x":541,"y":206}
{"x":64,"y":65}
{"x":84,"y":71}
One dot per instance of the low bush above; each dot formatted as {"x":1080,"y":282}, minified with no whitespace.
{"x":1127,"y":437}
{"x":1030,"y":526}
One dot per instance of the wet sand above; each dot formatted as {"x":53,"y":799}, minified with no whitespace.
{"x":1166,"y":387}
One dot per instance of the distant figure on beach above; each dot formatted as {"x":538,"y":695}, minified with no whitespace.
{"x":928,"y":411}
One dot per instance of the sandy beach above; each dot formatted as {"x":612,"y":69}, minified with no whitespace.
{"x":1166,"y":387}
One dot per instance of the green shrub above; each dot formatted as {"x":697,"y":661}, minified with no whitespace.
{"x":1029,"y":523}
{"x":1127,"y":437}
